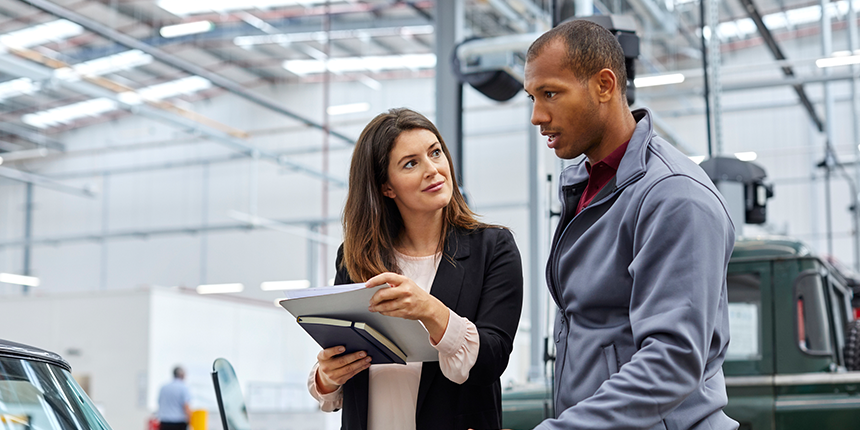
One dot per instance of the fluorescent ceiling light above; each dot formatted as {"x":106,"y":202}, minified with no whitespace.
{"x":67,"y":114}
{"x":17,"y":87}
{"x":348,"y":108}
{"x":189,"y":7}
{"x":285,"y":285}
{"x":838,"y":60}
{"x":189,"y":85}
{"x":220,"y":288}
{"x":746,"y":156}
{"x":186,"y":29}
{"x":697,"y":158}
{"x":1,"y":160}
{"x":9,"y":278}
{"x":355,"y":64}
{"x":320,"y":36}
{"x":53,"y":31}
{"x":25,"y":154}
{"x":113,"y":63}
{"x":654,"y":80}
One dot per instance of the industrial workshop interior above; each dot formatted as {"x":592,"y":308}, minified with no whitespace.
{"x":171,"y":170}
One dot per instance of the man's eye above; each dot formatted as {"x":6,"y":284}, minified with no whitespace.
{"x":550,"y":94}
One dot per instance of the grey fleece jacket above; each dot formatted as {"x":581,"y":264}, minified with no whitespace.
{"x":639,"y":277}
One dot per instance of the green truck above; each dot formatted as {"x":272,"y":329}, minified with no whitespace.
{"x":794,"y":355}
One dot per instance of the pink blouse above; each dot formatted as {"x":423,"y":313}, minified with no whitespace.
{"x":393,"y":388}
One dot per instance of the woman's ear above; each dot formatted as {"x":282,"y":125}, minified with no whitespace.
{"x":387,"y":191}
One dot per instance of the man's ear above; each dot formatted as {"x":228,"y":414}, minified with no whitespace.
{"x":607,"y":84}
{"x":387,"y":191}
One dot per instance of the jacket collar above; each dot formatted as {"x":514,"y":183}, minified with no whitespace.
{"x":632,"y":164}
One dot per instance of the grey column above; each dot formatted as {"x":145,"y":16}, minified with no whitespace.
{"x":449,"y":104}
{"x":855,"y":114}
{"x":28,"y":234}
{"x":537,"y":292}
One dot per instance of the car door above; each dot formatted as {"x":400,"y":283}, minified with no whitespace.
{"x":749,"y":364}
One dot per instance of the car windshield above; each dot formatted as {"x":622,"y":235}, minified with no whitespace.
{"x":41,"y":396}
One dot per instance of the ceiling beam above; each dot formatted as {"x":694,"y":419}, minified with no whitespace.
{"x":32,"y":136}
{"x":774,"y":48}
{"x":26,"y":177}
{"x":181,"y":64}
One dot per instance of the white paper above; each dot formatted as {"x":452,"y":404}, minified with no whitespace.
{"x":744,"y":330}
{"x":350,"y":302}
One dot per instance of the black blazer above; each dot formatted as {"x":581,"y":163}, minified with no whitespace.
{"x":480,"y":278}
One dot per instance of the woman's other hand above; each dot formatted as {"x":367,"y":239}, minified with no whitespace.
{"x":405,"y":299}
{"x":335,"y":371}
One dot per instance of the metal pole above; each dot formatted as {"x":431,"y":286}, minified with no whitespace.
{"x":715,"y":63}
{"x":827,"y":49}
{"x":537,"y":287}
{"x":204,"y":222}
{"x":323,"y":249}
{"x":449,"y":103}
{"x":28,"y":234}
{"x":853,"y":42}
{"x":705,"y":76}
{"x":103,"y":280}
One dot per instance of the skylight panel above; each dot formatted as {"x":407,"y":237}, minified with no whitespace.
{"x":189,"y":85}
{"x":53,"y":31}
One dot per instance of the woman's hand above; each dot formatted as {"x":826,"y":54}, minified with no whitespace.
{"x":335,"y":371}
{"x":405,"y":299}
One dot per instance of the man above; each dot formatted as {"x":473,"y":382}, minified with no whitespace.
{"x":174,"y":411}
{"x":638,"y":261}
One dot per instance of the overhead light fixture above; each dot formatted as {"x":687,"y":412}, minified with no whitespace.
{"x":10,"y":278}
{"x":348,"y":108}
{"x":220,"y":288}
{"x":1,"y":160}
{"x":746,"y":156}
{"x":655,"y":80}
{"x":697,"y":158}
{"x":363,"y":34}
{"x":356,"y":64}
{"x":285,"y":285}
{"x":113,"y":63}
{"x":66,"y":114}
{"x":24,"y":154}
{"x":838,"y":60}
{"x":190,"y":7}
{"x":53,"y":31}
{"x":17,"y":87}
{"x":186,"y":29}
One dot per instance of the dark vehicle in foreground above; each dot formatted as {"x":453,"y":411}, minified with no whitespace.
{"x":37,"y":392}
{"x":794,"y":355}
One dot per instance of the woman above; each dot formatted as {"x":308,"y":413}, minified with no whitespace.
{"x":406,"y":224}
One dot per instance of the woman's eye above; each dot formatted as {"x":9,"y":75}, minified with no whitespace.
{"x":436,"y":153}
{"x":409,"y":164}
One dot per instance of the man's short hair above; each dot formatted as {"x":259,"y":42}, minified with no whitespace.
{"x":178,"y":372}
{"x":590,"y":49}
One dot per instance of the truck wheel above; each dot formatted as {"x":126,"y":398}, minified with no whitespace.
{"x":852,"y":346}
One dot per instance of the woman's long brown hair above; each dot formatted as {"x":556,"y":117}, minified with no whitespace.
{"x":371,"y":221}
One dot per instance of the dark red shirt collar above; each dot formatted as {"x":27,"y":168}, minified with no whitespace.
{"x":600,"y":174}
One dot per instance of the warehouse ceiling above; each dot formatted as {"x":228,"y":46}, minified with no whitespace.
{"x":67,"y":64}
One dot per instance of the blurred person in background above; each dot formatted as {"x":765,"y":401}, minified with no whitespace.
{"x":174,"y":410}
